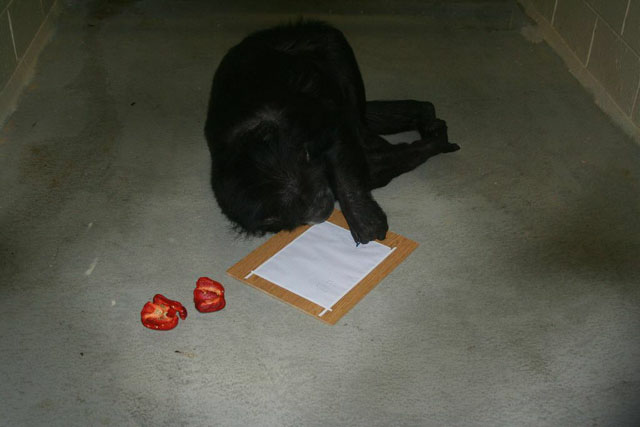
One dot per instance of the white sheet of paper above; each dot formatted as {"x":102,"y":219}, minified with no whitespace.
{"x":322,"y":264}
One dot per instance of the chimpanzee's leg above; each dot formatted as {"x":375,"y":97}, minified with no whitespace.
{"x":389,"y":117}
{"x":386,"y":161}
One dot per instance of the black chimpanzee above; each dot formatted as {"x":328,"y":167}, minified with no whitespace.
{"x":290,"y":132}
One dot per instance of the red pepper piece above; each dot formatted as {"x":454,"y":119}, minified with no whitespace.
{"x":175,"y":305}
{"x":208,"y":295}
{"x":161,"y":313}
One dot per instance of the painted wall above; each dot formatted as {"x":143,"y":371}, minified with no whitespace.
{"x":20,"y":20}
{"x":604,"y":38}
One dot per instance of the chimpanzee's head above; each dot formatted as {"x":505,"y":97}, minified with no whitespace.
{"x":270,"y":177}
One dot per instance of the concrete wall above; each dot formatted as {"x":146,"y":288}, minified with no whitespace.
{"x":600,"y":40}
{"x":25,"y":26}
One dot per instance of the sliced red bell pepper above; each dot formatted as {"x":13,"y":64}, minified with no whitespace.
{"x":175,"y":305}
{"x":208,"y":295}
{"x":161,"y":313}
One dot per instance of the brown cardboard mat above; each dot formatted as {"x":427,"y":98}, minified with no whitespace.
{"x":403,"y":247}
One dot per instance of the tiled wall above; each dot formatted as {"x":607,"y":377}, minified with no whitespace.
{"x":604,"y":36}
{"x":19,"y":23}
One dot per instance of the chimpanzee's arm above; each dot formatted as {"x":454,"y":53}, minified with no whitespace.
{"x":349,"y":178}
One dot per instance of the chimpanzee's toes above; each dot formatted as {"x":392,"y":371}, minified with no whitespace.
{"x":449,"y":147}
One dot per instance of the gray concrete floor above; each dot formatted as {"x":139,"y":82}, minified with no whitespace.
{"x":520,"y":307}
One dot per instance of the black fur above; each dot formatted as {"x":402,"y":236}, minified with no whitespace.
{"x":290,"y":132}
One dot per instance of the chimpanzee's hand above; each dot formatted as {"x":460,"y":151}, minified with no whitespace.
{"x":367,"y":221}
